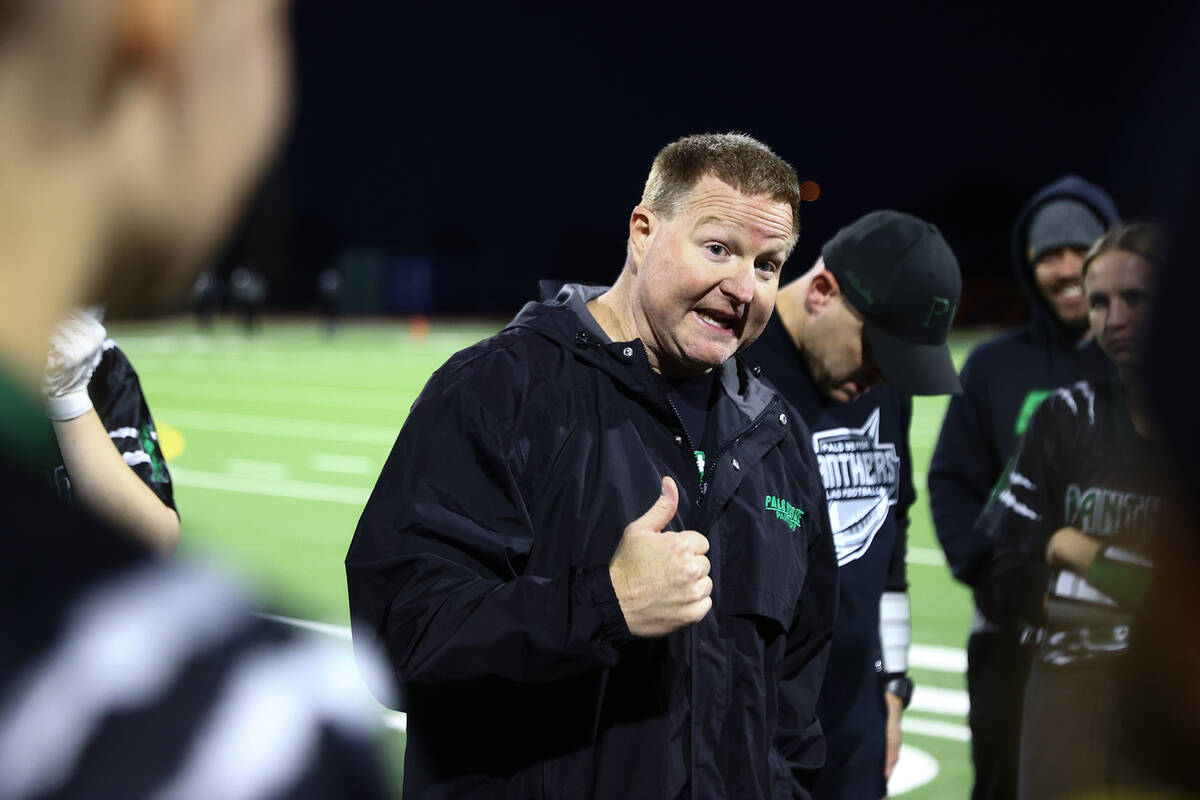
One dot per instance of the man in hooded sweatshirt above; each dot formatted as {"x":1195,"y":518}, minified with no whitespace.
{"x":1003,"y":381}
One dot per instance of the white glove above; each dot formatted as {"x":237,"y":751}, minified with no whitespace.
{"x":75,"y":349}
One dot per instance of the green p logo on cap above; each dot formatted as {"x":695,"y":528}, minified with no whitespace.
{"x":938,"y":307}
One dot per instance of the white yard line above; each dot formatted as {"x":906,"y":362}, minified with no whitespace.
{"x":926,"y":557}
{"x":298,"y":490}
{"x":937,"y":658}
{"x":301,"y":394}
{"x":255,"y":425}
{"x":940,"y":701}
{"x":935,"y":728}
{"x":914,"y":769}
{"x":343,"y":464}
{"x":329,"y":629}
{"x":252,"y":468}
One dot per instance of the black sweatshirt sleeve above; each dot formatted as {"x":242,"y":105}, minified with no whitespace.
{"x":1018,"y":521}
{"x":961,"y":476}
{"x":897,"y":580}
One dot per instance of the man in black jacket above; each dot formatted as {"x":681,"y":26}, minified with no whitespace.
{"x":600,"y":527}
{"x":877,"y":306}
{"x":1003,"y":381}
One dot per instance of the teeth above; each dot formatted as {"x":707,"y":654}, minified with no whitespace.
{"x":1071,"y":292}
{"x":711,"y":320}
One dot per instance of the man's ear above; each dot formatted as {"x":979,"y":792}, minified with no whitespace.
{"x":148,"y":36}
{"x":642,"y":227}
{"x":823,"y":289}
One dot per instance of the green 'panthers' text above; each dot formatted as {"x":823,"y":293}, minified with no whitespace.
{"x":784,"y":511}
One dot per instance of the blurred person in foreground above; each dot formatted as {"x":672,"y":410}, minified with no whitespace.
{"x":1003,"y":380}
{"x":601,"y":523}
{"x":129,"y":131}
{"x":851,"y":341}
{"x":1074,"y":523}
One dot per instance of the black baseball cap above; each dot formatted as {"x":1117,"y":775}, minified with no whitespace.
{"x":899,"y":273}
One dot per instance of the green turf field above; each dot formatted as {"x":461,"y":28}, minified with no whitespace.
{"x":275,"y":440}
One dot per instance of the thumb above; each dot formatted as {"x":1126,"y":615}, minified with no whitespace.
{"x":662,"y":512}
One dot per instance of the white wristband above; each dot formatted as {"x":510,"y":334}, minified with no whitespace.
{"x":895,"y":631}
{"x":68,"y":406}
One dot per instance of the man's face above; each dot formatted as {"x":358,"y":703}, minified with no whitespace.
{"x":837,"y":353}
{"x":1119,"y":287}
{"x":1058,"y":277}
{"x":705,"y":280}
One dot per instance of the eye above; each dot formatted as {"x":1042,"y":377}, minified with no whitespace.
{"x":716,"y":249}
{"x":767,"y":266}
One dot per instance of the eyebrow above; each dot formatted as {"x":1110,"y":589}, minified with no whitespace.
{"x":724,"y":222}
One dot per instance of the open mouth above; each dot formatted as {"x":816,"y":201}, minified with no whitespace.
{"x":713,"y":319}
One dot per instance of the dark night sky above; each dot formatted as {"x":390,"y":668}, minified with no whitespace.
{"x":506,"y":146}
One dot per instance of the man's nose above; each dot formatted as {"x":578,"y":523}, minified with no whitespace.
{"x":1070,"y":265}
{"x":739,"y":284}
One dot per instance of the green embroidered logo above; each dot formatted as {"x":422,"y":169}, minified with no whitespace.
{"x":699,"y":454}
{"x":940,"y":307}
{"x":857,"y":283}
{"x":784,"y":511}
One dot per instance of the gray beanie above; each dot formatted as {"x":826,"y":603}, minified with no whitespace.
{"x":1062,"y":223}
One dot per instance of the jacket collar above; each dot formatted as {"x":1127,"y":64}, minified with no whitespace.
{"x":562,"y":316}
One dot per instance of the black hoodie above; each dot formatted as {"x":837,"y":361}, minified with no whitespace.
{"x":1003,"y":381}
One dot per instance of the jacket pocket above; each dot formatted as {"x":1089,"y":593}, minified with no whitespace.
{"x":764,"y":583}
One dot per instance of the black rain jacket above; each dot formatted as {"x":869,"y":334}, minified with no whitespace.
{"x":1003,"y":381}
{"x":481,"y":561}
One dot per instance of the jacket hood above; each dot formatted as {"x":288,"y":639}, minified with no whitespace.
{"x":562,"y":316}
{"x":1068,"y":186}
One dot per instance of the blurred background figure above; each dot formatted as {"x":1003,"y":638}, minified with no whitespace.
{"x":1074,"y":524}
{"x":248,"y":294}
{"x":130,"y":130}
{"x":329,"y":292}
{"x":1003,"y":380}
{"x":207,"y":296}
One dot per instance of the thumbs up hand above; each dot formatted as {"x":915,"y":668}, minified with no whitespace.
{"x":661,"y":577}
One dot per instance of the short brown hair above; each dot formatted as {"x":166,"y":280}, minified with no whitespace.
{"x":1144,"y":239}
{"x":739,"y":160}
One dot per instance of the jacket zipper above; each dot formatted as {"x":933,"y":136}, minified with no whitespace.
{"x":721,"y":453}
{"x":712,"y":463}
{"x":687,"y":441}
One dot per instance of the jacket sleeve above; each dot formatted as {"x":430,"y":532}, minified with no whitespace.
{"x":799,"y":740}
{"x":1017,"y":521}
{"x":961,"y":476}
{"x":436,"y":566}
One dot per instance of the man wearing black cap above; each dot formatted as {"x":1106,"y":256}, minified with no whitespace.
{"x":875,"y":308}
{"x":1004,"y":380}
